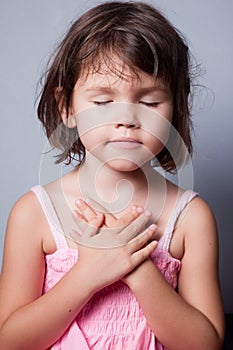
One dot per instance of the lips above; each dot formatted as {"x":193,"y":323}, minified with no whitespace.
{"x":125,"y":143}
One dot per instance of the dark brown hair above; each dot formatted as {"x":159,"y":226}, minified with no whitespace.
{"x":144,"y":40}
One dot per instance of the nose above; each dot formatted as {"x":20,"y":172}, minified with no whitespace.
{"x":128,"y":125}
{"x":127,"y":117}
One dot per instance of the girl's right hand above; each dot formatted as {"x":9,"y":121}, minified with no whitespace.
{"x":110,"y":253}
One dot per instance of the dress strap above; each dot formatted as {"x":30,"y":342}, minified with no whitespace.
{"x":182,"y":202}
{"x":51,"y":216}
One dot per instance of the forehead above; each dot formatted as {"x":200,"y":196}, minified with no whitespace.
{"x":117,"y":73}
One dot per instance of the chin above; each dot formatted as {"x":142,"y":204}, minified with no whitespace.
{"x":123,"y":165}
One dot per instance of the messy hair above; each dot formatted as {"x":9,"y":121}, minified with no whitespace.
{"x":144,"y":40}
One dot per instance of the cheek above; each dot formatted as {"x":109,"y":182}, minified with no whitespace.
{"x":89,"y":120}
{"x":154,"y":145}
{"x":157,"y":122}
{"x":92,"y":138}
{"x":157,"y":131}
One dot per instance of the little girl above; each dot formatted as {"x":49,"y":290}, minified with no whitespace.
{"x":112,"y":255}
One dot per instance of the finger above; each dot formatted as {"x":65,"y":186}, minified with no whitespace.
{"x":110,"y":219}
{"x":96,"y":221}
{"x":80,"y":222}
{"x":77,"y":216}
{"x":143,"y":238}
{"x":95,"y":224}
{"x":144,"y":253}
{"x":97,"y":207}
{"x":135,"y":227}
{"x":85,"y":210}
{"x":88,"y":230}
{"x":127,"y":218}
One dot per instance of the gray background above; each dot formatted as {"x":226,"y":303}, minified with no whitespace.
{"x":29,"y":30}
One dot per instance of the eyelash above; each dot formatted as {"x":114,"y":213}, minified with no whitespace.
{"x":101,"y":103}
{"x":148,"y":104}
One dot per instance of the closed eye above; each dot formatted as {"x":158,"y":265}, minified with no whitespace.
{"x":102,"y":103}
{"x":149,"y":104}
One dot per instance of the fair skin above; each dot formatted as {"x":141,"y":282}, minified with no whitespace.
{"x":31,"y":320}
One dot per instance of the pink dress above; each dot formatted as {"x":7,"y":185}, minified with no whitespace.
{"x":112,"y":319}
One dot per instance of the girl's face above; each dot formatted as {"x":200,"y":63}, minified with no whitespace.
{"x":122,"y":121}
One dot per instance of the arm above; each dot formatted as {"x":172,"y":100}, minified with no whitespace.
{"x":30,"y":320}
{"x":193,"y":318}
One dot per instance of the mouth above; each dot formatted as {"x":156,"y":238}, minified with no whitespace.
{"x":125,"y":143}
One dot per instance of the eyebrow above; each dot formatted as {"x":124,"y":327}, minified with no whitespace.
{"x":100,"y":88}
{"x":108,"y":88}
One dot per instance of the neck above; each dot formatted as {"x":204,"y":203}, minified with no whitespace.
{"x":116,"y":190}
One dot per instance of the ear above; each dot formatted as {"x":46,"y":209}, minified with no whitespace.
{"x":67,"y":116}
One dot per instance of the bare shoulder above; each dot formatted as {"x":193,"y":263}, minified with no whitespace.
{"x":200,"y":236}
{"x":27,"y":222}
{"x":199,"y":218}
{"x":26,"y":212}
{"x":195,"y":229}
{"x":26,"y":206}
{"x":23,"y":231}
{"x":200,"y":207}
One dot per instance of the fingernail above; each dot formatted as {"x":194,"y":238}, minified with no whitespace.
{"x":148,"y":213}
{"x":137,"y":209}
{"x":140,"y":210}
{"x":152,"y":227}
{"x":78,"y":202}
